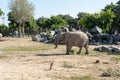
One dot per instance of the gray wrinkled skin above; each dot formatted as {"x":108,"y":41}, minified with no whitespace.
{"x":77,"y":38}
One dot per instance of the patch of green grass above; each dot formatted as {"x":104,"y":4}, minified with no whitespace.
{"x":91,"y":52}
{"x":88,"y":77}
{"x":28,"y":48}
{"x":117,"y":59}
{"x":67,"y":65}
{"x":111,"y":73}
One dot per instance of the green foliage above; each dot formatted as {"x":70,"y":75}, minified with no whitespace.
{"x":54,"y":22}
{"x":1,"y":12}
{"x":116,"y":21}
{"x":70,"y":20}
{"x":42,"y":22}
{"x":89,"y":21}
{"x":57,"y":22}
{"x":12,"y":24}
{"x":111,"y":6}
{"x":21,"y":12}
{"x":106,"y":19}
{"x":31,"y":26}
{"x":4,"y":30}
{"x":81,"y":15}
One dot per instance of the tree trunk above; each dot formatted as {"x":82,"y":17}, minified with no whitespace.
{"x":19,"y":30}
{"x":23,"y":29}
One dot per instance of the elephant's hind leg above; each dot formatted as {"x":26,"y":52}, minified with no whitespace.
{"x":80,"y":49}
{"x":86,"y":48}
{"x":68,"y":48}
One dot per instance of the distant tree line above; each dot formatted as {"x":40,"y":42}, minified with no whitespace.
{"x":21,"y":19}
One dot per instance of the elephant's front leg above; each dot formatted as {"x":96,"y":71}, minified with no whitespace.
{"x":86,"y":48}
{"x":68,"y":48}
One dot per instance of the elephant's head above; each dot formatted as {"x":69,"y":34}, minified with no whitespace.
{"x":62,"y":37}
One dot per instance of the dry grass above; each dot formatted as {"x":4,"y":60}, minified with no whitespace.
{"x":23,"y":59}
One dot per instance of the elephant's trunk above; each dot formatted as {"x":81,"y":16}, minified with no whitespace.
{"x":55,"y":47}
{"x":56,"y":42}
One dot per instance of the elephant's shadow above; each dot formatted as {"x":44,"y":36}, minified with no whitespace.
{"x":52,"y":54}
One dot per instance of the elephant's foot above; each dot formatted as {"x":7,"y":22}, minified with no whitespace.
{"x":78,"y":53}
{"x":67,"y":53}
{"x":86,"y":53}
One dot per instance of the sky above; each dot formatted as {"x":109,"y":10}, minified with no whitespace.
{"x":47,"y":8}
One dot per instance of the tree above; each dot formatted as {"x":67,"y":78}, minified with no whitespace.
{"x":89,"y":21}
{"x":42,"y":23}
{"x":12,"y":25}
{"x":81,"y":15}
{"x":22,"y":11}
{"x":57,"y":22}
{"x":68,"y":19}
{"x":31,"y":27}
{"x":106,"y":19}
{"x":4,"y":29}
{"x":1,"y":12}
{"x":109,"y":7}
{"x":116,"y":22}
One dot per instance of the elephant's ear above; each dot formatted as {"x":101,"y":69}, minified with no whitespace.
{"x":66,"y":36}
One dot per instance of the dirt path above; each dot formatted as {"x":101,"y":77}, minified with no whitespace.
{"x":35,"y":65}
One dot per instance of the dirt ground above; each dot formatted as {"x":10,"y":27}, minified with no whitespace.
{"x":35,"y":65}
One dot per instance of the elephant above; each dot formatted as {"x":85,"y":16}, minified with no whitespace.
{"x":76,"y":38}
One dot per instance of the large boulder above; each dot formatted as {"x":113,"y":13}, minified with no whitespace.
{"x":42,"y":37}
{"x":116,"y":39}
{"x":96,"y":30}
{"x":109,"y":49}
{"x":1,"y":35}
{"x":36,"y":37}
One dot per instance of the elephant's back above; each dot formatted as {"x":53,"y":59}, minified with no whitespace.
{"x":79,"y":34}
{"x":79,"y":38}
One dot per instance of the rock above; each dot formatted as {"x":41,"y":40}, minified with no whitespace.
{"x":96,"y":30}
{"x":109,"y":49}
{"x":115,"y":49}
{"x":117,"y":43}
{"x":36,"y":38}
{"x":97,"y":61}
{"x":65,"y":29}
{"x":105,"y":62}
{"x":116,"y":38}
{"x":1,"y":36}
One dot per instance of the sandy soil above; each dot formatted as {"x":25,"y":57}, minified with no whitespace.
{"x":35,"y":65}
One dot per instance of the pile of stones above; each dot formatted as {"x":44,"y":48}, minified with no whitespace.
{"x":109,"y":49}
